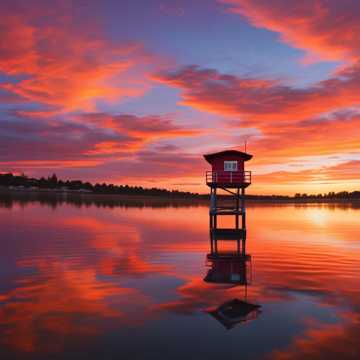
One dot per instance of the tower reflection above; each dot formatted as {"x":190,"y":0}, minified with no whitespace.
{"x":231,"y":267}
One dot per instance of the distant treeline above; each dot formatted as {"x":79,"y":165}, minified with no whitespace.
{"x":19,"y":182}
{"x":342,"y":195}
{"x":331,"y":195}
{"x":53,"y":183}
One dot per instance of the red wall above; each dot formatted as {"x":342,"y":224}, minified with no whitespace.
{"x":218,"y":163}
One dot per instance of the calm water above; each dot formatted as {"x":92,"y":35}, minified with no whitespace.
{"x":124,"y":282}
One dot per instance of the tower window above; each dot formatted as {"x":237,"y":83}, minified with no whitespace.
{"x":230,"y":165}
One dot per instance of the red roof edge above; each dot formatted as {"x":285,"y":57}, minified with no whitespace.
{"x":210,"y":157}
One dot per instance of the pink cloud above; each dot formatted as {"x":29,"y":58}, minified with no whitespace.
{"x":260,"y":100}
{"x":337,"y":134}
{"x":64,"y":63}
{"x":99,"y":147}
{"x":93,"y":139}
{"x":326,"y":29}
{"x":344,"y":171}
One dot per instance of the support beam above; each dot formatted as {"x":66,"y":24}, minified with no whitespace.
{"x":243,"y":211}
{"x":227,"y":190}
{"x":237,"y":209}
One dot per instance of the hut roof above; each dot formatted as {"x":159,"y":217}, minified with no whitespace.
{"x":210,"y":157}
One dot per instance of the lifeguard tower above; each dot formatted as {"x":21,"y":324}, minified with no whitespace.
{"x":228,"y":173}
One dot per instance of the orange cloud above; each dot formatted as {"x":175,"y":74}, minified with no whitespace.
{"x":60,"y":65}
{"x":259,"y":102}
{"x":87,"y":140}
{"x":139,"y":130}
{"x":326,"y":29}
{"x":347,"y":172}
{"x":335,"y":134}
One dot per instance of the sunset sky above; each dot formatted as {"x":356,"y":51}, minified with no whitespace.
{"x":134,"y":92}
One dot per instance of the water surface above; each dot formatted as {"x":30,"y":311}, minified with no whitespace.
{"x":80,"y":281}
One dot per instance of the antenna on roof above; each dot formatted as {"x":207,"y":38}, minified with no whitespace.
{"x":245,"y":143}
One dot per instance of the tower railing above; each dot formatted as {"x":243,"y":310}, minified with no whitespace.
{"x":228,"y":177}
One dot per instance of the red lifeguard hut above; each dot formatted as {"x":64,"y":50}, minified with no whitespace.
{"x":228,"y":173}
{"x":228,"y":169}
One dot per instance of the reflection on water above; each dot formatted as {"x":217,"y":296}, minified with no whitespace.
{"x":231,"y":267}
{"x":101,"y":282}
{"x":56,"y":199}
{"x":235,"y":311}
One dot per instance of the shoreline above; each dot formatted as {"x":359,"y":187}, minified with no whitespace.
{"x":33,"y":195}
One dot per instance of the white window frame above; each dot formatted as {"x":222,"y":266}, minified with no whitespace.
{"x":230,"y":165}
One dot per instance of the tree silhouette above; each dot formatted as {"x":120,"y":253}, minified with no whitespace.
{"x":55,"y":184}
